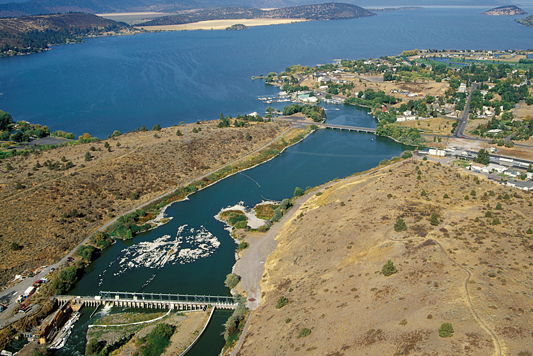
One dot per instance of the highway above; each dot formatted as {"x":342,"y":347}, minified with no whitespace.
{"x":461,"y":125}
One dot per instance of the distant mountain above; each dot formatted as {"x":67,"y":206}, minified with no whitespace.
{"x":329,"y":11}
{"x":505,"y":11}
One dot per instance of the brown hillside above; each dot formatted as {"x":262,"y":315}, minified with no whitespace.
{"x":143,"y":167}
{"x":465,"y":271}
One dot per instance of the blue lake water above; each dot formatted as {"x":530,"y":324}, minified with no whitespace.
{"x":121,"y":83}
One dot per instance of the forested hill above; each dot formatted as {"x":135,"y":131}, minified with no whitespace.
{"x":528,"y":21}
{"x":329,"y":11}
{"x":31,"y":34}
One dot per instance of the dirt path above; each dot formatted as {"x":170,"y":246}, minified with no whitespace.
{"x":497,"y":344}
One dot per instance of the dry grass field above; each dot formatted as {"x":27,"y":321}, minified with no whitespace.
{"x":54,"y":210}
{"x":473,"y":269}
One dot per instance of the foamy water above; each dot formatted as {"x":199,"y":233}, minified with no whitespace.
{"x":189,"y":245}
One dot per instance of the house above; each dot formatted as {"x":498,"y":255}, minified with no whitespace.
{"x":521,"y":184}
{"x":511,"y":173}
{"x":496,"y":168}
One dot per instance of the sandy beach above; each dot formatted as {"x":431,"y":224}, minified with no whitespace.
{"x":220,"y":24}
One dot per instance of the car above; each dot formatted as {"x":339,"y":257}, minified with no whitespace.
{"x":462,"y":137}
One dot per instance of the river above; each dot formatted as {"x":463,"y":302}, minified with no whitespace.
{"x":121,"y":83}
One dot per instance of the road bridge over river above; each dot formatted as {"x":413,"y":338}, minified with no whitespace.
{"x":151,"y":300}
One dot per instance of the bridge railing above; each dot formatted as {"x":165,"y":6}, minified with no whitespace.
{"x":158,"y":297}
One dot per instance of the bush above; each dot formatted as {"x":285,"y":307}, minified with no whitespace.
{"x":242,"y":224}
{"x":232,"y":280}
{"x":282,"y":301}
{"x":488,"y":214}
{"x":529,"y":231}
{"x":156,"y":128}
{"x":446,"y":330}
{"x":388,"y":269}
{"x":285,"y":204}
{"x":304,"y":332}
{"x":434,"y":220}
{"x":423,"y":193}
{"x":298,"y":192}
{"x":446,"y":196}
{"x":277,"y":215}
{"x":93,"y":348}
{"x":242,"y":246}
{"x":499,"y":206}
{"x":400,"y":225}
{"x":157,"y":341}
{"x":14,"y":246}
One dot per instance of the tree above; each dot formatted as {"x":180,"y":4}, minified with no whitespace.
{"x":88,"y":156}
{"x":5,"y":120}
{"x":232,"y":280}
{"x":93,"y":348}
{"x":298,"y":192}
{"x":483,"y":157}
{"x":387,"y":77}
{"x":388,"y":269}
{"x":434,"y":220}
{"x":248,"y":136}
{"x":179,"y":133}
{"x":400,"y":225}
{"x":499,"y":206}
{"x":116,"y":133}
{"x":14,"y":246}
{"x":156,"y":127}
{"x":446,"y":330}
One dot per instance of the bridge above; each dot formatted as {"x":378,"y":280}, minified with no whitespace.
{"x":348,"y":128}
{"x":150,"y":300}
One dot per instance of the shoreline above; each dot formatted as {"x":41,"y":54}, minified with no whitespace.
{"x":218,"y":24}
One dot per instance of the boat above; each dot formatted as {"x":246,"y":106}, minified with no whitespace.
{"x":66,"y":330}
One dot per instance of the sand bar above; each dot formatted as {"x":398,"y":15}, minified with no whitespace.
{"x":219,"y":24}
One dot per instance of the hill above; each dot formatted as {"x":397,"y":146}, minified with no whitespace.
{"x":528,"y":21}
{"x":505,"y":11}
{"x":31,"y":34}
{"x":469,"y":265}
{"x":329,"y":11}
{"x":61,"y":197}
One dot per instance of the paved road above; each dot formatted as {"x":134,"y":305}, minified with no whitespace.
{"x":461,"y":126}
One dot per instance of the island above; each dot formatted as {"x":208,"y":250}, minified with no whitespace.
{"x":508,"y":10}
{"x":237,"y":27}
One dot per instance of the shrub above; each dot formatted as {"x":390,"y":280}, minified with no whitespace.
{"x":496,"y":221}
{"x":389,"y":195}
{"x":388,"y":269}
{"x":242,"y":224}
{"x":488,"y":214}
{"x":282,"y":301}
{"x":277,"y":215}
{"x":285,"y":204}
{"x":499,"y":206}
{"x":15,"y":246}
{"x":407,"y":154}
{"x":446,"y":196}
{"x":298,"y":192}
{"x":425,"y":159}
{"x":242,"y":246}
{"x":473,"y":193}
{"x":529,"y":231}
{"x":446,"y":330}
{"x":179,"y":133}
{"x":156,"y":127}
{"x":304,"y":332}
{"x":467,"y":197}
{"x":88,"y":156}
{"x":434,"y":220}
{"x":400,"y":225}
{"x":232,"y":280}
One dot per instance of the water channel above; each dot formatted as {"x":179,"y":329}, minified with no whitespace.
{"x":207,"y":252}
